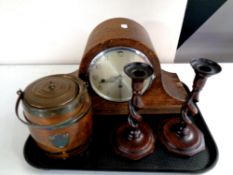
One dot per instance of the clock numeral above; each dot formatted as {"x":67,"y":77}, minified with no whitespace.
{"x":100,"y":87}
{"x":120,"y":53}
{"x":95,"y":77}
{"x":108,"y":93}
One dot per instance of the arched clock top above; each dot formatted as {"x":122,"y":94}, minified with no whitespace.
{"x":114,"y":33}
{"x":165,"y":93}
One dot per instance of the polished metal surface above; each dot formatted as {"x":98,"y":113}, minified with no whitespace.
{"x":51,"y":91}
{"x":59,"y":140}
{"x":77,"y":101}
{"x":57,"y":98}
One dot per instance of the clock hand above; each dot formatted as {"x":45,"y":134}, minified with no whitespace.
{"x":120,"y":86}
{"x":111,"y":79}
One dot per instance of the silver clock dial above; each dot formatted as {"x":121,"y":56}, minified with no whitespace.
{"x":107,"y":77}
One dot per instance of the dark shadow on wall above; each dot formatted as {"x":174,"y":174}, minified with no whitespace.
{"x":197,"y":12}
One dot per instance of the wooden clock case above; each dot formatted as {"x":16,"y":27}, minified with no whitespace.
{"x":166,"y":94}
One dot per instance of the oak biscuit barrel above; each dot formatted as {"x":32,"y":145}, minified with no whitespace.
{"x":57,"y":110}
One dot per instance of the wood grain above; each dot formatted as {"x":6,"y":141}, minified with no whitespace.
{"x":166,"y":93}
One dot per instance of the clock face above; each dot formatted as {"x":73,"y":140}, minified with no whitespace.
{"x":107,"y":77}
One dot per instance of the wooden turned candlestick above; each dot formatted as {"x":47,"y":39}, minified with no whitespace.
{"x":135,"y":140}
{"x":180,"y":135}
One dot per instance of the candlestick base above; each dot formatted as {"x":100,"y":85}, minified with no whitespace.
{"x":186,"y":140}
{"x":134,"y":143}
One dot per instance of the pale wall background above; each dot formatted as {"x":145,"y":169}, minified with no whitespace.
{"x":56,"y":31}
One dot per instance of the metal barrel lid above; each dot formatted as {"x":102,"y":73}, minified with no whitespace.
{"x":54,"y":94}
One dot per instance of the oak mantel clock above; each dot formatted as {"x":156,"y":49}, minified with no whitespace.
{"x":112,"y":45}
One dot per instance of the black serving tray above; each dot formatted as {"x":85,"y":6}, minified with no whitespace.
{"x":100,"y":156}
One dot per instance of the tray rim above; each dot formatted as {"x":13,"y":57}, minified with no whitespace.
{"x":211,"y":164}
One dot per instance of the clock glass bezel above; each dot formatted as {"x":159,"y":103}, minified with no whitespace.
{"x":102,"y":54}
